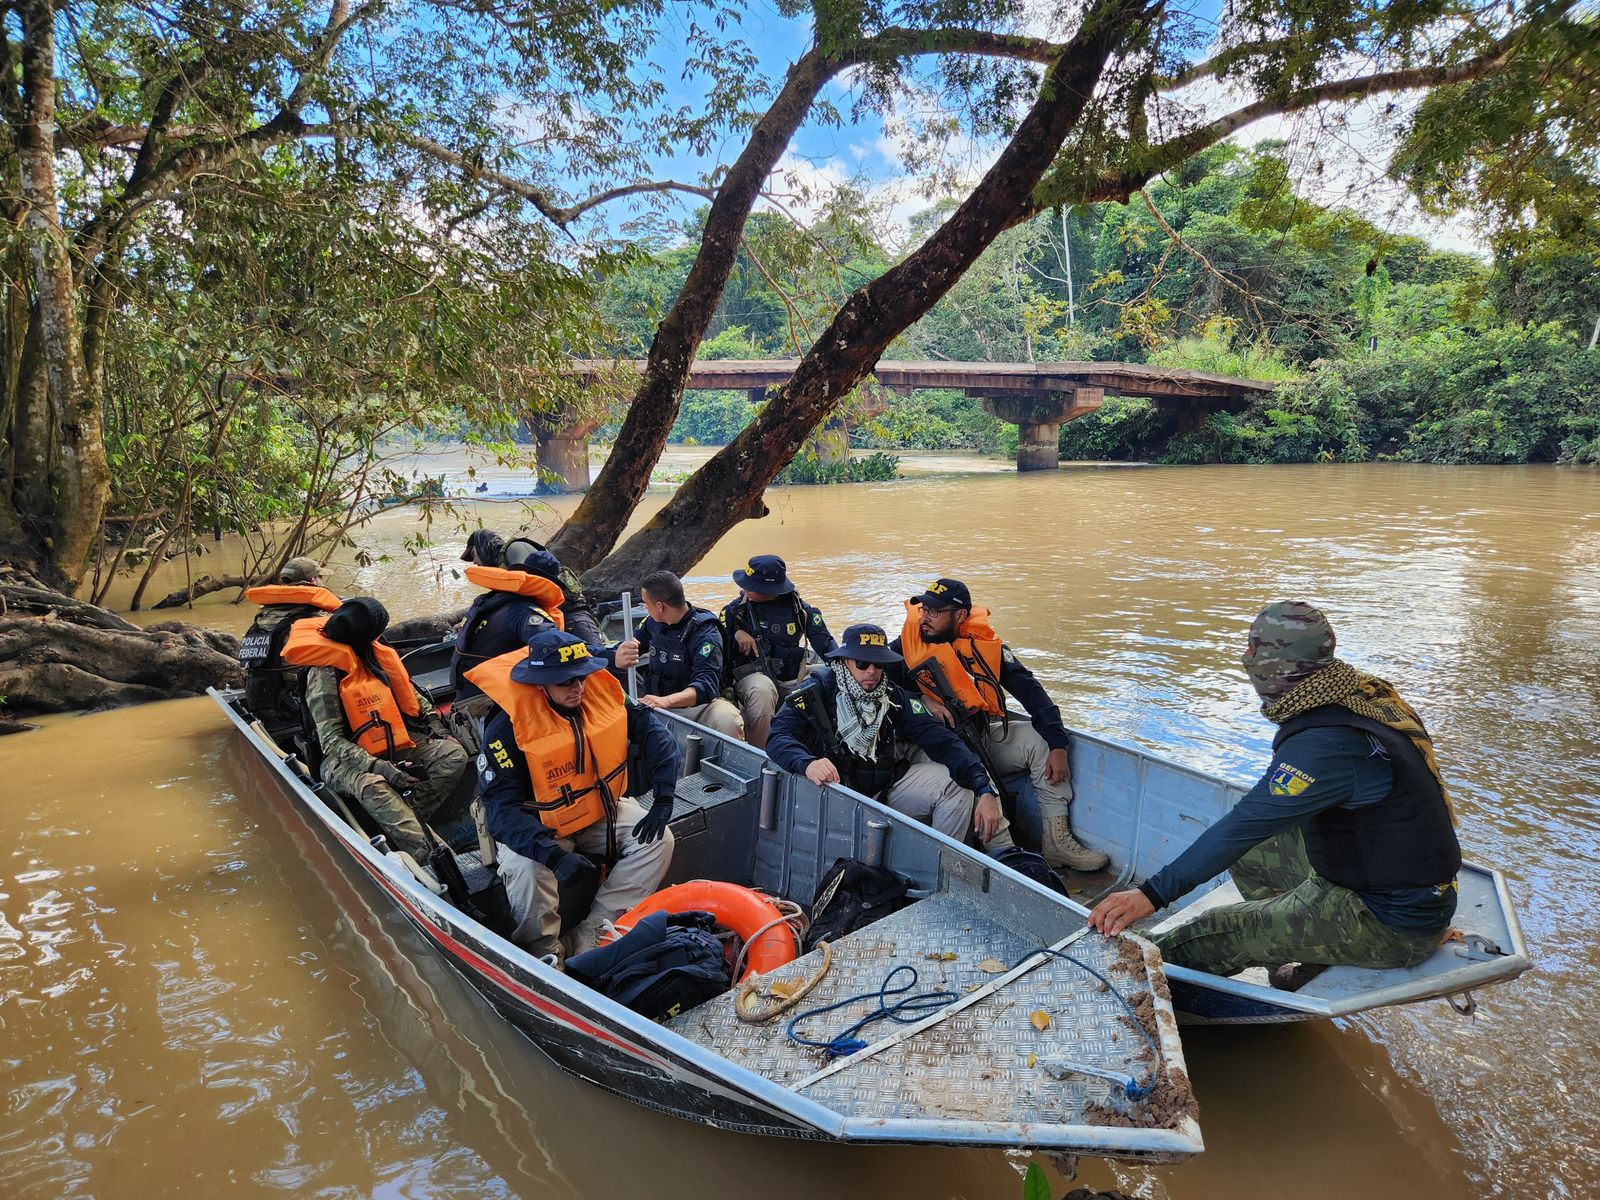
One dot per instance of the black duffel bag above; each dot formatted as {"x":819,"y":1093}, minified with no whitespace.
{"x":853,"y":894}
{"x":665,"y":965}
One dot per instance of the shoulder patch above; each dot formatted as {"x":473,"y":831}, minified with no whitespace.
{"x":798,"y":702}
{"x":705,"y":649}
{"x":917,"y":706}
{"x":1007,"y":656}
{"x":816,"y":617}
{"x":1288,"y":780}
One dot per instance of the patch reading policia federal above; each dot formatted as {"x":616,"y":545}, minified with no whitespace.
{"x":1288,"y":780}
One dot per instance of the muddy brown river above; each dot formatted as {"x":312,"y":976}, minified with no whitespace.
{"x":194,"y":1001}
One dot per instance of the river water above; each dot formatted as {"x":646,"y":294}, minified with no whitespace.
{"x":192,"y":999}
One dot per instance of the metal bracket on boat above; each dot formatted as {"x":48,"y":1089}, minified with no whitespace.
{"x":1463,"y":1002}
{"x":1478,"y":948}
{"x":1060,"y":1068}
{"x":769,"y":798}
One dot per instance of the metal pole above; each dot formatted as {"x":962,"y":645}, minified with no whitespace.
{"x":627,"y":636}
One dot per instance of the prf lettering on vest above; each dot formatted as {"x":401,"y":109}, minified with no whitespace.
{"x":501,"y":758}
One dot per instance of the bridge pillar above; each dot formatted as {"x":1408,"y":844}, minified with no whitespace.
{"x":833,"y":441}
{"x":1039,"y":446}
{"x":564,"y":461}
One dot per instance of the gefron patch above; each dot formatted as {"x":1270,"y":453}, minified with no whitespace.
{"x":1288,"y":780}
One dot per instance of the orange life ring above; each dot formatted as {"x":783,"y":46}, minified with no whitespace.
{"x":740,"y":909}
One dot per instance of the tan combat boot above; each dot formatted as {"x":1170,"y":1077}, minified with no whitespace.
{"x":1061,"y":849}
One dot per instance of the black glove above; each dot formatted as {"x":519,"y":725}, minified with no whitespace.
{"x":572,"y":869}
{"x":655,"y":821}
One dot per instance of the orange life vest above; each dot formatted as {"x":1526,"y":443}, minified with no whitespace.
{"x":372,"y":709}
{"x":293,"y":593}
{"x":578,"y":767}
{"x":546,"y":593}
{"x":971,"y":662}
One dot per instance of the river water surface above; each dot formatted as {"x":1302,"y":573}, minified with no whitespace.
{"x":192,"y":999}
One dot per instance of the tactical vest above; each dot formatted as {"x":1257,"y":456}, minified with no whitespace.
{"x":1405,"y":840}
{"x":780,"y":633}
{"x":578,"y":766}
{"x":971,"y":662}
{"x":871,"y":777}
{"x":479,"y":640}
{"x":671,"y":667}
{"x":271,"y":689}
{"x":375,"y":711}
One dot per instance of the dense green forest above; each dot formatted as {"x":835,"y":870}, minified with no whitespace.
{"x":1383,"y":346}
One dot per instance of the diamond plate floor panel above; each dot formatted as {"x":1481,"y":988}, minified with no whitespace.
{"x":973,"y":1065}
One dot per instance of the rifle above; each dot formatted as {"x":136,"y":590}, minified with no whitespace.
{"x":970,"y":724}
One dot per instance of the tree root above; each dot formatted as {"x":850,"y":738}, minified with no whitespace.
{"x":58,"y":654}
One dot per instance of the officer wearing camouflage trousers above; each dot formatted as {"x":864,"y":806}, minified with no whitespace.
{"x":399,"y":789}
{"x":1345,"y":852}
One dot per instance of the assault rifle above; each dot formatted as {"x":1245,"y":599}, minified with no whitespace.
{"x":971,"y":724}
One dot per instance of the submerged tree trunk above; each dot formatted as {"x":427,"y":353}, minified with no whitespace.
{"x":728,"y":488}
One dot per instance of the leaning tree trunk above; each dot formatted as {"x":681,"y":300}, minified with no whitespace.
{"x":58,"y":654}
{"x":593,"y":529}
{"x":728,"y":488}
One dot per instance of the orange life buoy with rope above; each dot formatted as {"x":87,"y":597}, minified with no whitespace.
{"x":768,"y":933}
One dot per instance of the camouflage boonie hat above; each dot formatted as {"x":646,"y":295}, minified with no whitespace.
{"x":1289,"y":642}
{"x":300,"y":570}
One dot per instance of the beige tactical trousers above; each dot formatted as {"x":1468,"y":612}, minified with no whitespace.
{"x":533,"y":894}
{"x":927,"y":793}
{"x":759,"y":696}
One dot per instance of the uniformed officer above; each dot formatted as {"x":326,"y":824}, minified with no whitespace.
{"x":553,"y":779}
{"x":683,"y":670}
{"x":945,"y":638}
{"x":579,"y":617}
{"x":272,"y":690}
{"x":383,"y":746}
{"x":765,"y":632}
{"x":847,"y":723}
{"x":1345,"y":851}
{"x":522,"y":599}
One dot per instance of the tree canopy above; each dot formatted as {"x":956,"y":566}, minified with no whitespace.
{"x":322,"y":213}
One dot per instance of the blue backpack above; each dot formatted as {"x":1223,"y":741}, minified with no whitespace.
{"x":667,"y":964}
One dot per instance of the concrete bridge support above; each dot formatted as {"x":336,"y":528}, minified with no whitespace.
{"x":1040,"y":418}
{"x":564,"y":461}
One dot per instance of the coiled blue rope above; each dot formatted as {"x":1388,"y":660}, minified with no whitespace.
{"x":906,"y":1012}
{"x":1133,"y":1090}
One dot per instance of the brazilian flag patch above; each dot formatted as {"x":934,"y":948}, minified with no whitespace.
{"x":1288,"y":781}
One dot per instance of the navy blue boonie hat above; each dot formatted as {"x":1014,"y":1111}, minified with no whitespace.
{"x":765,"y":573}
{"x":865,"y":643}
{"x":945,"y":593}
{"x":556,"y":656}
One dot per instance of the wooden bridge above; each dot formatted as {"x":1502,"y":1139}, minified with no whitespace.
{"x":1037,"y":397}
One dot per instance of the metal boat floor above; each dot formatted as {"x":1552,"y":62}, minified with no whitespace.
{"x":972,"y":1065}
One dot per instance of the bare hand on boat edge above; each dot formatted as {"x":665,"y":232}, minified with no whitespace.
{"x":1119,"y":910}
